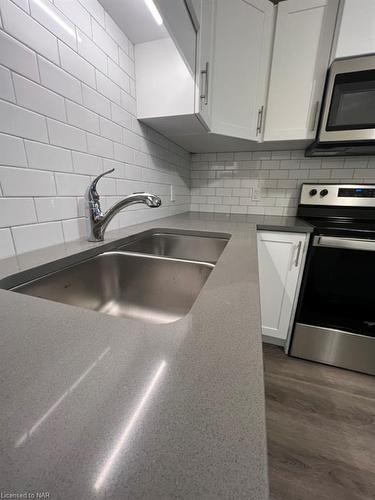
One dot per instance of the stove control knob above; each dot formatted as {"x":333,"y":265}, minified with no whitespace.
{"x":324,"y":192}
{"x":313,"y":192}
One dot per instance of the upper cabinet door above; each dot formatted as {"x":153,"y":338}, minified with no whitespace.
{"x":356,"y":33}
{"x":203,"y":98}
{"x":242,"y":47}
{"x":303,"y":41}
{"x":178,"y":22}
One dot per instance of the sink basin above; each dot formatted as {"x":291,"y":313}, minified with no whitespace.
{"x":179,"y":246}
{"x":152,"y":289}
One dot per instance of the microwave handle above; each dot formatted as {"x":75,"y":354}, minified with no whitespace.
{"x":344,"y":243}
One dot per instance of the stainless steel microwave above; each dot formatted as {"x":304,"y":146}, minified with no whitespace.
{"x":347,"y":118}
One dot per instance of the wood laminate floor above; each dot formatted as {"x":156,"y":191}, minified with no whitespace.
{"x":320,"y":429}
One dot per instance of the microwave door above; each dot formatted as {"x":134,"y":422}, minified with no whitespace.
{"x":349,"y":108}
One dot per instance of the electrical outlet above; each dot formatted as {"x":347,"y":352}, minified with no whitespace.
{"x":256,"y":194}
{"x":173,"y":198}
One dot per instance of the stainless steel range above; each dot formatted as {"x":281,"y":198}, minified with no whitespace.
{"x":335,"y":317}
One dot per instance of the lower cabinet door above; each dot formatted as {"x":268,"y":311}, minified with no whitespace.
{"x":280,"y":257}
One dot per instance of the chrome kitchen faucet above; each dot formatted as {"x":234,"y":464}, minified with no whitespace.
{"x":97,"y":221}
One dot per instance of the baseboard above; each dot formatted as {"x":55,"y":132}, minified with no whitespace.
{"x":273,"y":340}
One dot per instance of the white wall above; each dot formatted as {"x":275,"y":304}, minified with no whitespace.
{"x":67,"y":113}
{"x":226,"y":182}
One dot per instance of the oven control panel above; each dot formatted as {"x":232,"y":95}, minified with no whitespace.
{"x":347,"y":195}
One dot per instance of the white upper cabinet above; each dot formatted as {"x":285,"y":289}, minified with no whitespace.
{"x":165,"y":86}
{"x":177,"y":19}
{"x":204,"y":10}
{"x":302,"y":47}
{"x":242,"y":50}
{"x":211,"y":74}
{"x":356,"y":32}
{"x":172,"y":73}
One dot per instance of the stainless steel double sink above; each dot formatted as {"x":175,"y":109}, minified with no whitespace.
{"x":155,"y":276}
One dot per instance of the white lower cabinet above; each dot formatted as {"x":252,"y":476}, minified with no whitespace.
{"x":281,"y":257}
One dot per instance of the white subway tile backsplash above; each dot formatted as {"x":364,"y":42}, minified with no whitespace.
{"x":54,"y":209}
{"x":71,"y":184}
{"x":106,"y":87}
{"x":132,"y":88}
{"x":26,"y":182}
{"x":298,"y":174}
{"x":76,"y":65}
{"x":22,"y":27}
{"x":59,"y":80}
{"x":99,"y":146}
{"x":355,"y":163}
{"x":319,"y":173}
{"x":18,"y":57}
{"x":262,"y":155}
{"x":87,"y":164}
{"x":16,"y":211}
{"x":12,"y":151}
{"x":101,"y":38}
{"x":280,"y":155}
{"x":74,"y":229}
{"x":278,"y":175}
{"x":46,"y":157}
{"x":66,"y":136}
{"x":21,"y":122}
{"x":67,"y":116}
{"x":119,"y":76}
{"x":6,"y":86}
{"x":128,"y":102}
{"x":134,"y":172}
{"x":96,"y":102}
{"x":123,"y":153}
{"x":23,"y":4}
{"x":90,"y":51}
{"x":116,"y":33}
{"x":110,"y":130}
{"x":29,"y":238}
{"x":342,"y":173}
{"x":95,"y":9}
{"x":81,"y":117}
{"x":120,"y":116}
{"x":76,"y":13}
{"x":37,"y":98}
{"x":6,"y":244}
{"x":126,"y":63}
{"x":368,"y":174}
{"x":54,"y":20}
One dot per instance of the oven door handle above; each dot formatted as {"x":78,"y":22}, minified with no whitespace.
{"x":344,"y":243}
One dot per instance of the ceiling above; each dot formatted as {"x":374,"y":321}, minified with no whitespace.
{"x":135,"y":20}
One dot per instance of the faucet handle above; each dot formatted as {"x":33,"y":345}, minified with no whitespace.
{"x":95,"y":181}
{"x":92,"y":188}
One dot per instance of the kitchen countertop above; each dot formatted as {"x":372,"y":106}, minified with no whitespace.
{"x":94,"y":406}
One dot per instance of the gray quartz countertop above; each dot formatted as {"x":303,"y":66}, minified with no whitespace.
{"x":94,"y":406}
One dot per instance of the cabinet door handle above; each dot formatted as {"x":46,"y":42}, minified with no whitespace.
{"x":260,"y":120}
{"x":315,"y":116}
{"x":204,"y":95}
{"x":299,"y":247}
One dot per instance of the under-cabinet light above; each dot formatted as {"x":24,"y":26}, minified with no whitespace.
{"x":154,"y":11}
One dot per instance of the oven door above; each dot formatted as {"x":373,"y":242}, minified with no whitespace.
{"x":339,"y":292}
{"x":349,"y":107}
{"x":336,"y":312}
